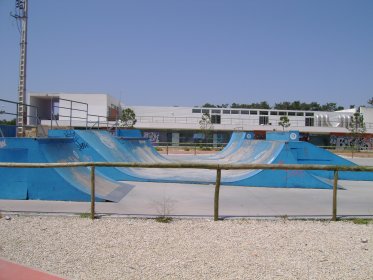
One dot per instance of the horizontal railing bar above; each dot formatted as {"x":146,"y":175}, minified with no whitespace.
{"x":224,"y":166}
{"x":14,"y":102}
{"x":70,"y":100}
{"x":72,"y":109}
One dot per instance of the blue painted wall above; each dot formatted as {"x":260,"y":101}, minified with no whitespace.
{"x":292,"y":135}
{"x":130,"y":133}
{"x":8,"y":130}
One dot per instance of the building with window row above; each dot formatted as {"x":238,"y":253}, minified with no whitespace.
{"x":176,"y":125}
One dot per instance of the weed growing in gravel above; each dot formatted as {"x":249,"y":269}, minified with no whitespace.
{"x":284,"y":218}
{"x":164,"y":209}
{"x":84,"y":215}
{"x":163,"y":219}
{"x":361,"y":221}
{"x":1,"y":216}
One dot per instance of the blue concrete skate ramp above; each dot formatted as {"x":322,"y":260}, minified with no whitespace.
{"x":306,"y":153}
{"x":81,"y":145}
{"x":72,"y":184}
{"x":240,"y":150}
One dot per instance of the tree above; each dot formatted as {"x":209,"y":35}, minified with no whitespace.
{"x":330,"y":107}
{"x":282,"y":106}
{"x":261,"y":105}
{"x":206,"y":125}
{"x":284,"y":122}
{"x":357,"y":129}
{"x":208,"y":105}
{"x":128,"y":118}
{"x":370,"y":101}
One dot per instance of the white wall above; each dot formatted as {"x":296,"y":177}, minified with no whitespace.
{"x":149,"y":117}
{"x":367,"y":113}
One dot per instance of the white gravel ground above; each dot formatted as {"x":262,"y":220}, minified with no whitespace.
{"x":119,"y":248}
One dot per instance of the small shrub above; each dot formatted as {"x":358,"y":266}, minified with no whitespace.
{"x":159,"y":149}
{"x":186,"y":149}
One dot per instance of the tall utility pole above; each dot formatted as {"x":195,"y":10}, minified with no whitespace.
{"x":21,"y":17}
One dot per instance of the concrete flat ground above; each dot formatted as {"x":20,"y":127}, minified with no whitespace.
{"x":154,"y":199}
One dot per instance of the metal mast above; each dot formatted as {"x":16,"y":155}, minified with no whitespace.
{"x":21,"y":17}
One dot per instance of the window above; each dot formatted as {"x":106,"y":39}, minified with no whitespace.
{"x":300,"y":114}
{"x":216,"y":119}
{"x":245,"y":112}
{"x":309,"y":114}
{"x":235,"y":112}
{"x":309,"y":122}
{"x":196,"y":110}
{"x":215,"y":111}
{"x":263,"y":113}
{"x":274,"y":113}
{"x":226,"y":111}
{"x":253,"y":112}
{"x":263,"y":120}
{"x":205,"y":111}
{"x":282,"y":113}
{"x":291,"y":113}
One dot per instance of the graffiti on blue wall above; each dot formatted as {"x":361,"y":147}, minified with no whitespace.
{"x":152,"y":136}
{"x":81,"y":145}
{"x":348,"y":141}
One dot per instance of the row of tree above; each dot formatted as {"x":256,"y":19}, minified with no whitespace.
{"x":295,"y":105}
{"x":6,"y":122}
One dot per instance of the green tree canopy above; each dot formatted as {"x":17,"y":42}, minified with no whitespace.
{"x":357,"y":129}
{"x":6,"y":122}
{"x":286,"y":105}
{"x":205,"y":125}
{"x":128,"y":118}
{"x":284,"y":122}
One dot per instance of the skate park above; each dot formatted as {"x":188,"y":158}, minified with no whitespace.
{"x":186,"y":140}
{"x":179,"y":192}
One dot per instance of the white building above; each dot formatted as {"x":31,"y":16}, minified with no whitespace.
{"x":150,"y":117}
{"x":182,"y":124}
{"x":74,"y":110}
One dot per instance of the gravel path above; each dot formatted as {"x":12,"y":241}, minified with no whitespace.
{"x":119,"y":248}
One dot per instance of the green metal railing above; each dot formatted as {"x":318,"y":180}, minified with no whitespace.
{"x":211,"y":166}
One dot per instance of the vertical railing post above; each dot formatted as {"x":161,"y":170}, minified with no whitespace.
{"x":86,"y":117}
{"x":167,"y":148}
{"x":71,"y":114}
{"x":335,"y":187}
{"x":93,"y":192}
{"x":216,"y":196}
{"x":195,"y":148}
{"x":52,"y":112}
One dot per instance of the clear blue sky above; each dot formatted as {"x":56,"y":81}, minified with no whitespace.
{"x":186,"y":53}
